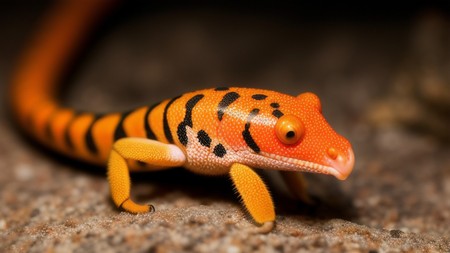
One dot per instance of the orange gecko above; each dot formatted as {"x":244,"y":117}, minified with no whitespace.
{"x":213,"y":131}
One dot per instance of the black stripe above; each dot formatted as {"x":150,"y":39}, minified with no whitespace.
{"x":166,"y":127}
{"x":67,"y":138}
{"x":89,"y":138}
{"x":148,"y":130}
{"x":219,"y":150}
{"x":190,"y":106}
{"x":30,"y":118}
{"x":259,"y":97}
{"x":226,"y":101}
{"x":221,"y":88}
{"x":204,"y":138}
{"x":119,"y":133}
{"x":181,"y":131}
{"x":252,"y":114}
{"x":246,"y":133}
{"x":48,"y":126}
{"x":277,"y":113}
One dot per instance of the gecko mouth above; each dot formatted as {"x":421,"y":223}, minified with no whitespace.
{"x":341,"y":167}
{"x":342,"y":164}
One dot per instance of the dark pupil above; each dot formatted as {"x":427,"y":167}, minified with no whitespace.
{"x":290,"y":134}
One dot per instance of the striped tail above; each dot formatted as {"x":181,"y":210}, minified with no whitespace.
{"x":34,"y":86}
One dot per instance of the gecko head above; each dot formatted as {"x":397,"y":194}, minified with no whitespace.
{"x":293,"y":135}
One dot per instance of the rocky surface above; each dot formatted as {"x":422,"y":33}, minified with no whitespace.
{"x":397,"y":199}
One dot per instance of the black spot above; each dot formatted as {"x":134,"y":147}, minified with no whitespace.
{"x":277,"y":113}
{"x":119,"y":133}
{"x":148,"y":130}
{"x":166,"y":127}
{"x":275,"y":105}
{"x":204,"y":138}
{"x":226,"y":101}
{"x":181,"y":131}
{"x":259,"y":96}
{"x":219,"y":150}
{"x":246,"y":133}
{"x":221,"y":88}
{"x":89,"y":138}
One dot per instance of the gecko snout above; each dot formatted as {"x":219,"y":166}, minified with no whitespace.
{"x":342,"y":162}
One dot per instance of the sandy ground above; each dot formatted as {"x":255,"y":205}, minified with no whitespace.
{"x":397,"y":199}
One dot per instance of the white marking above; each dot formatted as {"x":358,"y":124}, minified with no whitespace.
{"x":201,"y":159}
{"x":176,"y":154}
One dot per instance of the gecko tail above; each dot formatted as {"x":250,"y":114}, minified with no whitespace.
{"x":33,"y":94}
{"x":34,"y":84}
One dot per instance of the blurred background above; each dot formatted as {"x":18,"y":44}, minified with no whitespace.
{"x":381,"y":70}
{"x":366,"y":49}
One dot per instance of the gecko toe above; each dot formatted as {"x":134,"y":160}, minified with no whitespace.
{"x":151,"y":208}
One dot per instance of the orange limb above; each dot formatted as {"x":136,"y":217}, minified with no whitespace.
{"x":254,"y":194}
{"x":139,"y":149}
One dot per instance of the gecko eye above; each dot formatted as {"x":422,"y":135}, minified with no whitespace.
{"x":289,"y":129}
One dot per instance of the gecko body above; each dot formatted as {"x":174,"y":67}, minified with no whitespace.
{"x":218,"y":131}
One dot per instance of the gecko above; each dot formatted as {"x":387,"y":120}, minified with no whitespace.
{"x":218,"y":131}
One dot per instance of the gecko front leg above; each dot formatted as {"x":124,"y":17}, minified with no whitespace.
{"x":296,"y":185}
{"x":148,"y":151}
{"x":255,"y":196}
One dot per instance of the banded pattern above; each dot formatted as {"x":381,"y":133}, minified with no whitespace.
{"x":90,"y":136}
{"x":196,"y":110}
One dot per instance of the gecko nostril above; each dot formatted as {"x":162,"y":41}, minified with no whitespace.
{"x":332,"y":153}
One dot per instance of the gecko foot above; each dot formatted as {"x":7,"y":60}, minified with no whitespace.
{"x":131,"y":207}
{"x":265,"y":228}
